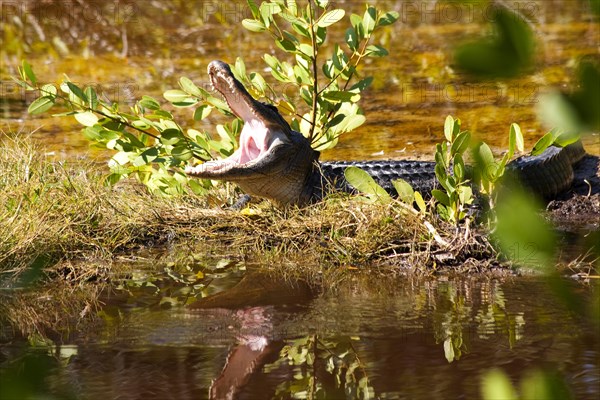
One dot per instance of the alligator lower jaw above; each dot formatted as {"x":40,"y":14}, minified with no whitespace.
{"x":243,"y":164}
{"x":280,"y":173}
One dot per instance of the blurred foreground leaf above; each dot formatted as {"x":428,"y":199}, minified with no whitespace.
{"x":579,"y":111}
{"x":522,"y":233}
{"x":536,"y":384}
{"x":505,"y":54}
{"x":496,"y":385}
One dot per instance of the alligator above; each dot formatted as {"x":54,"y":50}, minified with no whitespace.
{"x":275,"y":162}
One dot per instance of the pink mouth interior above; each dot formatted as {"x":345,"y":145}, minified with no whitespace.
{"x":254,"y":138}
{"x":253,"y":143}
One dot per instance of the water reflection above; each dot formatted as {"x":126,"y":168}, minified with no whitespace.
{"x":408,"y":338}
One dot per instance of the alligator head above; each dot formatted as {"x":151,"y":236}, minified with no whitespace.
{"x":272,"y":160}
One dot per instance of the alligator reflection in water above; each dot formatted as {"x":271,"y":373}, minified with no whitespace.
{"x":415,"y":338}
{"x":253,"y":299}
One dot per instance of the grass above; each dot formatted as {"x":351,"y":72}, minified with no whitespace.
{"x":52,"y":211}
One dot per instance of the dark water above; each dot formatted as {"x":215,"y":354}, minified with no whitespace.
{"x":400,"y":337}
{"x":404,"y":338}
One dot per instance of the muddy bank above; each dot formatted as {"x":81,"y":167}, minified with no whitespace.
{"x":579,"y":208}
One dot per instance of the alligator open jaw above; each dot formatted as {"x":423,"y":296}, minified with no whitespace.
{"x":272,"y":160}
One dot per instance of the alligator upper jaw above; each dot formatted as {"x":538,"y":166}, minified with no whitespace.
{"x":264,"y":134}
{"x":272,"y":161}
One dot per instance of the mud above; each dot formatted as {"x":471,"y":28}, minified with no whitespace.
{"x":579,"y":208}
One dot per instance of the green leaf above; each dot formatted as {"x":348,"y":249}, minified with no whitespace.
{"x":364,"y":183}
{"x":543,"y":143}
{"x":133,"y":140}
{"x":28,"y":72}
{"x":197,"y":187}
{"x":182,"y":153}
{"x":556,"y":110}
{"x":305,"y":50}
{"x":459,"y":168}
{"x":523,"y":233}
{"x":267,"y":10}
{"x":92,"y":97}
{"x":460,"y":143}
{"x":48,"y":90}
{"x":335,"y":120}
{"x":506,"y":54}
{"x":357,"y":23}
{"x":487,"y":165}
{"x":190,"y":87}
{"x":218,"y":104}
{"x":149,"y":102}
{"x":515,"y":139}
{"x":142,"y":124}
{"x":171,"y":136}
{"x":113,"y":178}
{"x":86,"y":118}
{"x":301,"y":28}
{"x":175,"y":95}
{"x":566,"y":138}
{"x":253,"y":25}
{"x":286,"y":45}
{"x":405,"y":191}
{"x":388,"y":18}
{"x":362,"y":85}
{"x":420,"y":202}
{"x":369,"y":19}
{"x":258,"y":82}
{"x":465,"y":194}
{"x":202,"y":112}
{"x":76,"y":90}
{"x":146,"y":157}
{"x":449,"y":128}
{"x":331,"y":17}
{"x":341,"y":96}
{"x":253,"y":9}
{"x":41,"y":105}
{"x":444,"y":212}
{"x":441,"y":197}
{"x":352,"y":39}
{"x":376,"y":51}
{"x":272,"y":62}
{"x":440,"y":156}
{"x":321,"y":35}
{"x":22,"y":83}
{"x":353,"y":122}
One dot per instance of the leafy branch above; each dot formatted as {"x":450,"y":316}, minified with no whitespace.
{"x":331,"y":101}
{"x":147,"y":140}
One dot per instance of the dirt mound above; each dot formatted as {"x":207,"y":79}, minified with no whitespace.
{"x":579,"y":208}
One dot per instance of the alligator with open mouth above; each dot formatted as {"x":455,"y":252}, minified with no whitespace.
{"x":275,"y":162}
